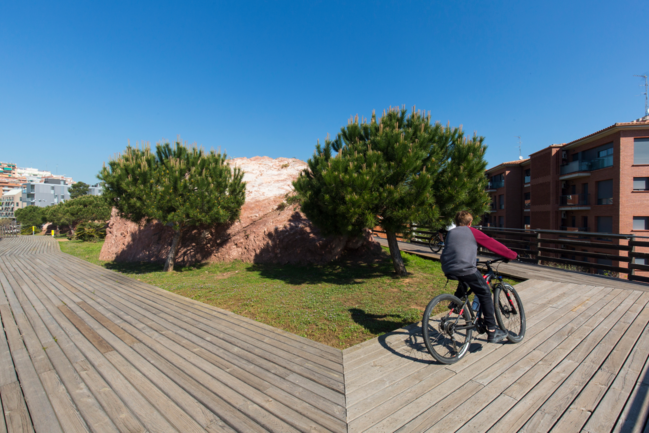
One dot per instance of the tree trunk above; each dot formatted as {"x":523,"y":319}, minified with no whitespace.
{"x":171,"y":258}
{"x":397,"y":260}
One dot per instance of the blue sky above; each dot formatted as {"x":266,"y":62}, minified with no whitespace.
{"x":78,"y":79}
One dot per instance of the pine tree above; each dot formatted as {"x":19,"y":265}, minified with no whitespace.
{"x":392,"y":172}
{"x":78,"y":189}
{"x":30,"y":216}
{"x":178,"y":186}
{"x":81,"y":209}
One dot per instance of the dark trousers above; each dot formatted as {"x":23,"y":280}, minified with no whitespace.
{"x":482,"y":291}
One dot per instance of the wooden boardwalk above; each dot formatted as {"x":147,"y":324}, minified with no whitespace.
{"x":87,"y":349}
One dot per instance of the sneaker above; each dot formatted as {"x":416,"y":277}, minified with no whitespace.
{"x":456,"y":309}
{"x":497,"y":336}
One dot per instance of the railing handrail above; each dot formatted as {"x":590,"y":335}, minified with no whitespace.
{"x":560,"y":232}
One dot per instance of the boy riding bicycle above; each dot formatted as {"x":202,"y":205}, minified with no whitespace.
{"x":459,"y":263}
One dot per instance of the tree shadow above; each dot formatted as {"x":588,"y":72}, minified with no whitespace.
{"x":148,"y":267}
{"x":377,"y":323}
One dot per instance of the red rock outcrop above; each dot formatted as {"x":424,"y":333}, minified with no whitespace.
{"x":269,"y":231}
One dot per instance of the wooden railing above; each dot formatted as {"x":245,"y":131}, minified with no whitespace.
{"x":543,"y":247}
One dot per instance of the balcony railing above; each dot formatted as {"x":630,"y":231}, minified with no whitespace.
{"x":528,"y":179}
{"x":496,"y":184}
{"x":494,"y":207}
{"x":605,"y":200}
{"x":574,"y":200}
{"x":594,"y":164}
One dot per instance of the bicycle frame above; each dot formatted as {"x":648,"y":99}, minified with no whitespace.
{"x":489,"y":276}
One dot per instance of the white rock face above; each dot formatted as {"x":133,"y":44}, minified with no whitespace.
{"x":267,"y":177}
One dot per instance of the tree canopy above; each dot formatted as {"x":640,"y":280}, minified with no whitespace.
{"x":31,"y":216}
{"x":81,"y":209}
{"x":393,"y":171}
{"x":183,"y":187}
{"x":78,"y":189}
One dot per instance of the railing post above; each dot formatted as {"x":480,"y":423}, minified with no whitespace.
{"x":538,"y":247}
{"x":631,"y":271}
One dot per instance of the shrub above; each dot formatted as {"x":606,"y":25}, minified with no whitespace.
{"x":90,"y":232}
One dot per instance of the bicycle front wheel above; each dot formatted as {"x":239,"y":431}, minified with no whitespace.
{"x":435,"y":243}
{"x":447,"y":331}
{"x":509,"y":312}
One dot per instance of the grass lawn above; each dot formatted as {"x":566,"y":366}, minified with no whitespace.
{"x":340,"y":304}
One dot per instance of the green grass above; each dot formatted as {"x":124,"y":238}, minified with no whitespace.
{"x":340,"y":304}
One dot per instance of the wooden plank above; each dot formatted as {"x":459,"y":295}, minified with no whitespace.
{"x":196,"y":308}
{"x":35,"y":395}
{"x":221,"y":387}
{"x":579,"y":359}
{"x":65,"y":372}
{"x":393,"y":414}
{"x":15,"y":410}
{"x":86,"y":330}
{"x":108,"y":324}
{"x":515,"y":365}
{"x":264,"y":351}
{"x":604,"y":417}
{"x":115,"y":382}
{"x":591,"y":392}
{"x":500,"y":406}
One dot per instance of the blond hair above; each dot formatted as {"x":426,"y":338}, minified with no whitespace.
{"x":463,"y":218}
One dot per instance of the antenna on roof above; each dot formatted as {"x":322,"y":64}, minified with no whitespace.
{"x":520,"y":155}
{"x":646,"y":87}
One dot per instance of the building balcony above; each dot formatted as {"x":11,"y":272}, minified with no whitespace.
{"x":527,"y":180}
{"x":527,"y":204}
{"x":605,"y":201}
{"x":585,"y":166}
{"x":574,"y":200}
{"x":495,"y":185}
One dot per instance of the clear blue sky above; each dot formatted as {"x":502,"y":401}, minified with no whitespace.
{"x":77,"y":80}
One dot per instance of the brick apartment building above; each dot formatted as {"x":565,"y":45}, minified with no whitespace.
{"x":598,"y":183}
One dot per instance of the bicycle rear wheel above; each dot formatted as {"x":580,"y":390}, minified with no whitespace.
{"x":509,"y":312}
{"x":435,"y":243}
{"x":447,"y":332}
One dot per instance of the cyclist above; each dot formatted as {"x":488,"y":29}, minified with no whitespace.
{"x":459,"y":263}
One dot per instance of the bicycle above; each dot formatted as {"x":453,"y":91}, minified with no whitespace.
{"x":449,"y":322}
{"x":436,"y":241}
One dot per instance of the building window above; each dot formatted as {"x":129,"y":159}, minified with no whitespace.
{"x":640,"y":223}
{"x":641,"y":151}
{"x":526,"y":218}
{"x":605,"y":192}
{"x":502,"y":201}
{"x":640,"y":183}
{"x":605,"y":224}
{"x":639,"y":261}
{"x":501,"y":221}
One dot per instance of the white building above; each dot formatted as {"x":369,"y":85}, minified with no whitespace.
{"x":9,"y":202}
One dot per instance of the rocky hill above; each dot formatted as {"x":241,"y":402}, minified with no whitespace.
{"x":269,"y":231}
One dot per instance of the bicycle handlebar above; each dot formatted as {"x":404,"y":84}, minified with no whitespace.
{"x":490,"y":262}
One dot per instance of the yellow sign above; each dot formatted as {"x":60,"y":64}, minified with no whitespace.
{"x":52,"y":233}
